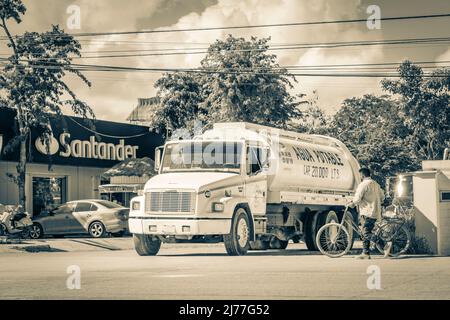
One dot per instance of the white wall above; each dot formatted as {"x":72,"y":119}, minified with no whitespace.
{"x":443,"y":183}
{"x":425,"y":205}
{"x":431,"y":214}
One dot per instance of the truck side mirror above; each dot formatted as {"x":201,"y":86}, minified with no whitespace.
{"x":158,"y":156}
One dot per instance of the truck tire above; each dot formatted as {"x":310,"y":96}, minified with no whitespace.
{"x":313,"y":224}
{"x":237,"y":241}
{"x":146,"y":245}
{"x":350,"y":217}
{"x":310,"y":231}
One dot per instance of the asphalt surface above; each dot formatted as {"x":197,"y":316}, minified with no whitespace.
{"x":204,"y":271}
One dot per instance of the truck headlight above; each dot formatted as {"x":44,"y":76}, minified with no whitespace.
{"x":135,"y":205}
{"x":217,"y":206}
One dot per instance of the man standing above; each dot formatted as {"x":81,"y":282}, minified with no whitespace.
{"x":369,"y":198}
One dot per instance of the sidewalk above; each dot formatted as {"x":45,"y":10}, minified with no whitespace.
{"x":67,"y":245}
{"x":84,"y":244}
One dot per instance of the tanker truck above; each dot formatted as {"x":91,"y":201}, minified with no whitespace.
{"x":248,"y":185}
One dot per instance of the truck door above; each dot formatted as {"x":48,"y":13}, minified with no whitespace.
{"x":256,"y":179}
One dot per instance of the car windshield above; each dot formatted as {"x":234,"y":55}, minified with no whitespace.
{"x":202,"y":156}
{"x":108,"y":204}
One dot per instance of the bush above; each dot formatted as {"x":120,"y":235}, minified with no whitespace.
{"x":419,"y":245}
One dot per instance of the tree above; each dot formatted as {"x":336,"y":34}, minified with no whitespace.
{"x":374,"y":131}
{"x":179,"y":96}
{"x":237,"y":81}
{"x":313,"y":118}
{"x":32,"y":82}
{"x":425,"y":106}
{"x":242,"y":82}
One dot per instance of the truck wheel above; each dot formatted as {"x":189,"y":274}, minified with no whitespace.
{"x":330,"y":216}
{"x":146,"y":245}
{"x":237,"y":241}
{"x":310,"y":231}
{"x":313,"y":223}
{"x":348,"y":224}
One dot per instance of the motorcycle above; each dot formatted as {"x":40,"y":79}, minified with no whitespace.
{"x":14,"y":222}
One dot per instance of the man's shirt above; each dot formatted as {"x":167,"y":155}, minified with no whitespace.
{"x":368,"y":198}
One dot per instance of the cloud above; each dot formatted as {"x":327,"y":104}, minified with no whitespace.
{"x":114,"y":95}
{"x":444,"y":57}
{"x":253,"y":12}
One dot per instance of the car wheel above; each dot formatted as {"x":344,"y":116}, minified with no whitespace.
{"x":97,"y":229}
{"x":36,"y":231}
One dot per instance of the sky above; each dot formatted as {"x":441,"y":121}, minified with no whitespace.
{"x":114,"y":95}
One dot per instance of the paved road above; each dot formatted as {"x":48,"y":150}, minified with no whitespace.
{"x":187,"y":271}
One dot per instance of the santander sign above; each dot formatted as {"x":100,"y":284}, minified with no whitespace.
{"x":90,"y":149}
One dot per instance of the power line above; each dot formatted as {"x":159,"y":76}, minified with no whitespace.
{"x":104,"y":68}
{"x":288,"y":47}
{"x":260,"y":25}
{"x":374,"y":64}
{"x":292,"y":46}
{"x":308,"y":23}
{"x":107,"y":135}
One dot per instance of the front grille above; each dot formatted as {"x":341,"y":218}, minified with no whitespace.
{"x":169,"y":201}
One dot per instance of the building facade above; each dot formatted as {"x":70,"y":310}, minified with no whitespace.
{"x":78,"y":156}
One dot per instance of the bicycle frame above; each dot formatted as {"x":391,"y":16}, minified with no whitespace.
{"x":399,"y":221}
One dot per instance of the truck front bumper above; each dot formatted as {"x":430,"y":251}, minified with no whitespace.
{"x":179,"y":226}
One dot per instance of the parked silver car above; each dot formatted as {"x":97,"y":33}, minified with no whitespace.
{"x":96,"y":217}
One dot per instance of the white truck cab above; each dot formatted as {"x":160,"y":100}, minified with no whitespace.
{"x":250,"y":186}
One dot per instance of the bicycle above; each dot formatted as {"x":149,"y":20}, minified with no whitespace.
{"x":336,"y":239}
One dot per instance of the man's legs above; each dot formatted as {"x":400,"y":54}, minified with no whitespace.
{"x":368,"y":225}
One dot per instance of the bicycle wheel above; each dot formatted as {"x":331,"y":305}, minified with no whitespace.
{"x":333,"y":240}
{"x":398,"y":234}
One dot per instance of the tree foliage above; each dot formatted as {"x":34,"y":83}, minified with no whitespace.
{"x":374,"y":131}
{"x":179,"y":101}
{"x":244,"y":83}
{"x":237,"y":81}
{"x":425,"y":106}
{"x":32,"y":81}
{"x":313,"y":118}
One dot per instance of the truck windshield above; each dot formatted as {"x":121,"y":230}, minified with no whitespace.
{"x":202,"y":156}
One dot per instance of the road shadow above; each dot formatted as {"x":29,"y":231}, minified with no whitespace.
{"x":255,"y":253}
{"x":40,"y":248}
{"x":418,"y":256}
